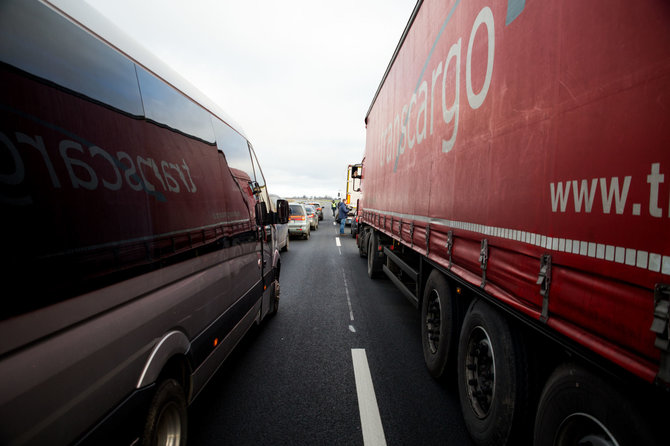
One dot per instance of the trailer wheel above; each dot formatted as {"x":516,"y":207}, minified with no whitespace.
{"x":362,"y":243}
{"x":439,"y":319}
{"x":492,"y":378}
{"x":578,"y":408}
{"x":167,"y":419}
{"x":375,"y":263}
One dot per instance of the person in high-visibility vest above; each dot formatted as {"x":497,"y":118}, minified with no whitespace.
{"x":334,"y":207}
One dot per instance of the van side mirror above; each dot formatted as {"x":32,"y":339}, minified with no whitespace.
{"x":282,"y":211}
{"x":261,"y":213}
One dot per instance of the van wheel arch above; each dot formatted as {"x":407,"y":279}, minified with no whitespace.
{"x":170,"y":349}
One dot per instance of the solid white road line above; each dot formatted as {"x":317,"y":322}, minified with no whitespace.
{"x":371,"y":423}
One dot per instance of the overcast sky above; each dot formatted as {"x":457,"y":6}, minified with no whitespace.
{"x":297,"y":75}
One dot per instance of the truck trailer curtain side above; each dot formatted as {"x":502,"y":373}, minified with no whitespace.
{"x":520,"y":150}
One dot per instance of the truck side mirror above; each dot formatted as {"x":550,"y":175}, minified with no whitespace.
{"x":282,"y":211}
{"x":261,"y":213}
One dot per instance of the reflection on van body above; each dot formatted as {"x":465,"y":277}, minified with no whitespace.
{"x":134,"y":260}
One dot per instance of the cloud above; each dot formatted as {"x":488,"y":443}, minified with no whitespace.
{"x":297,"y":75}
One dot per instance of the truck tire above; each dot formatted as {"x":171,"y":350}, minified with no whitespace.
{"x":362,"y":243}
{"x":166,"y":422}
{"x":439,"y":324}
{"x":577,"y":408}
{"x":492,"y":378}
{"x":375,"y":262}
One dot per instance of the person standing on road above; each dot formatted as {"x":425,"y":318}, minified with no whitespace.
{"x":333,"y":206}
{"x":343,"y":210}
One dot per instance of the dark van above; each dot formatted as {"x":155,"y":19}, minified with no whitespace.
{"x":135,"y":250}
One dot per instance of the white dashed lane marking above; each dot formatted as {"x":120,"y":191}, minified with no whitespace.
{"x":371,"y":423}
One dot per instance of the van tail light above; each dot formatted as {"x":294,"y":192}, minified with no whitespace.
{"x":298,"y":218}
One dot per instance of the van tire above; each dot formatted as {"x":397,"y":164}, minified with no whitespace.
{"x":167,"y":416}
{"x":274,"y":297}
{"x":493,"y":378}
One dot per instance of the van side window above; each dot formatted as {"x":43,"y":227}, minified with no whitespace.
{"x":165,"y":105}
{"x":234,"y":146}
{"x":94,"y":70}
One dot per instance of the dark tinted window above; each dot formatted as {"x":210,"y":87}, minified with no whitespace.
{"x":234,"y":146}
{"x":165,"y":105}
{"x":296,"y":209}
{"x":38,"y":40}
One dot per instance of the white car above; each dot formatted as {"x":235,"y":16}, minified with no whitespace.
{"x":313,"y":216}
{"x":298,"y":221}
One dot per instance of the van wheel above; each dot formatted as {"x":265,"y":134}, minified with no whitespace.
{"x":374,"y":262}
{"x":166,"y":423}
{"x":274,"y":298}
{"x":492,"y":378}
{"x":578,"y":408}
{"x":439,"y":324}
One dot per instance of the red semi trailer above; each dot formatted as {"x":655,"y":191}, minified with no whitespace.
{"x":514,"y":188}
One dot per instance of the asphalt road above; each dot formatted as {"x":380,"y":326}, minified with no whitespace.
{"x":293,"y":379}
